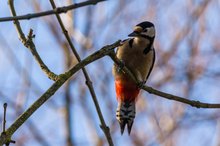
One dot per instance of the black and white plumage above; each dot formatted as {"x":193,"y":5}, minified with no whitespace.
{"x":138,"y":55}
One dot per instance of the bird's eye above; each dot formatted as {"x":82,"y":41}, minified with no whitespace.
{"x":145,"y":30}
{"x":137,"y":32}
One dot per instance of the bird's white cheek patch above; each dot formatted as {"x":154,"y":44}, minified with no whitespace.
{"x":151,"y":32}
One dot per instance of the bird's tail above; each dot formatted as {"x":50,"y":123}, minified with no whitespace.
{"x":125,"y":114}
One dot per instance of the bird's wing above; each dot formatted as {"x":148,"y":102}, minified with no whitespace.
{"x":152,"y":65}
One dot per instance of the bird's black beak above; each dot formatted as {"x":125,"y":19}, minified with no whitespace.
{"x":133,"y":34}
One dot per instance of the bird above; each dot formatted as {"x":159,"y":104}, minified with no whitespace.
{"x":137,"y":53}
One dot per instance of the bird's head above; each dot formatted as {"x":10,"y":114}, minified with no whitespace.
{"x":145,"y":30}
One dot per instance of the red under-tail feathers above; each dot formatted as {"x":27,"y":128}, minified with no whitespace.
{"x":126,"y":90}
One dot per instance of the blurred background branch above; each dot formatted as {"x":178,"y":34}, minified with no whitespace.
{"x":88,"y":83}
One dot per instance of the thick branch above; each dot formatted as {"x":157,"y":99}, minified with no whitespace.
{"x":151,"y":90}
{"x":58,"y":10}
{"x":61,"y":80}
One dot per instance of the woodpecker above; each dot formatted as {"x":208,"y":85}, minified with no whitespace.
{"x":138,"y":55}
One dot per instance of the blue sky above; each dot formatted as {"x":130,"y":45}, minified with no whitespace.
{"x":107,"y":22}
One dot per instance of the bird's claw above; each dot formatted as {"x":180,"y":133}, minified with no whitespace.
{"x":120,"y":66}
{"x":141,"y":84}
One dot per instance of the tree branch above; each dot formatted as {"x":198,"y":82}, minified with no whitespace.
{"x":107,"y":50}
{"x":193,"y":103}
{"x":28,"y":42}
{"x":61,"y":80}
{"x":58,"y":10}
{"x":151,"y":90}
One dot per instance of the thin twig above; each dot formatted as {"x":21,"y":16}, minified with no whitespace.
{"x":193,"y":103}
{"x":103,"y":125}
{"x":58,"y":10}
{"x":7,"y":140}
{"x":28,"y":42}
{"x":61,"y":80}
{"x":4,"y":117}
{"x":151,"y":90}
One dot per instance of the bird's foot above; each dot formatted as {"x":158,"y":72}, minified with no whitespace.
{"x":141,"y":84}
{"x":120,"y":66}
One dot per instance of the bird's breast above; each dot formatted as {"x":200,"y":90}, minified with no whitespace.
{"x":136,"y":60}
